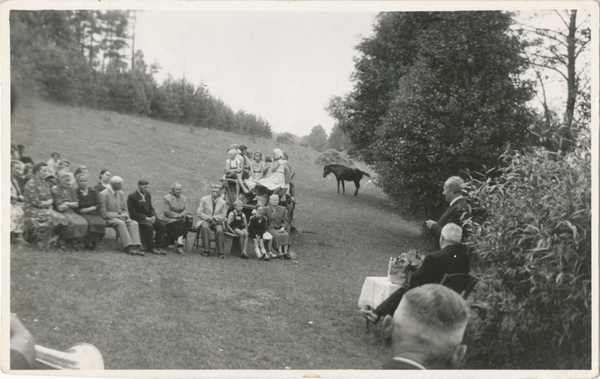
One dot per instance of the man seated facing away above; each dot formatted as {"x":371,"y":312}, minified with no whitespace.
{"x":427,"y":329}
{"x":179,"y":219}
{"x":152,"y":229}
{"x":113,"y":209}
{"x":458,"y":210}
{"x":451,"y":259}
{"x":212,"y":213}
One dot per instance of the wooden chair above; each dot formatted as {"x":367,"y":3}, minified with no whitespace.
{"x":197,"y":245}
{"x":461,"y":283}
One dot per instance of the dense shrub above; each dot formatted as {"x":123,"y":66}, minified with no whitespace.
{"x":332,"y":156}
{"x":287,"y":138}
{"x":534,"y":251}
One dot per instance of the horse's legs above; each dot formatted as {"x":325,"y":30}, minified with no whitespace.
{"x":357,"y":184}
{"x":343,"y":186}
{"x":338,"y":183}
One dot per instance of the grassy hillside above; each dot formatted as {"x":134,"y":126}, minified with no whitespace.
{"x":189,"y":312}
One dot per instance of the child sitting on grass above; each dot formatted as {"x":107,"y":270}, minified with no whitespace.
{"x":256,"y":230}
{"x":236,"y":222}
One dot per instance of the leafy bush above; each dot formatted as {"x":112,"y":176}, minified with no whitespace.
{"x":287,"y":138}
{"x":332,"y":156}
{"x":534,"y":251}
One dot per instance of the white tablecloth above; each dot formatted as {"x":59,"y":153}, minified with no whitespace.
{"x":375,"y":289}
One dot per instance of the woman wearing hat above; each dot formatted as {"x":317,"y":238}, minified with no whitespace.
{"x":88,"y":209}
{"x":40,"y":218}
{"x":65,"y":202}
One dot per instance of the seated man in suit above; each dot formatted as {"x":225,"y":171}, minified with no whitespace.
{"x":179,"y":219}
{"x":212,"y":213}
{"x":451,"y":259}
{"x":113,"y":209}
{"x":458,"y":210}
{"x":152,"y":229}
{"x":427,"y":329}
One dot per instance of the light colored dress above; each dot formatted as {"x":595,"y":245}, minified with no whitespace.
{"x":40,"y":219}
{"x":277,"y":178}
{"x":78,"y":226}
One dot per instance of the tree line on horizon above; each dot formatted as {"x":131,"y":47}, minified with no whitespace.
{"x":88,"y":58}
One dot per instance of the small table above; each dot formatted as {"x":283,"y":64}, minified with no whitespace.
{"x":375,"y":289}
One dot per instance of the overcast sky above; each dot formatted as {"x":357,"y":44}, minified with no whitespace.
{"x":283,"y":66}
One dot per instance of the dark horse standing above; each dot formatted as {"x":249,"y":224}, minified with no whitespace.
{"x":343,"y":173}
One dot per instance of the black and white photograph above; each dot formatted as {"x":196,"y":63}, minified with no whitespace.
{"x":175,"y":201}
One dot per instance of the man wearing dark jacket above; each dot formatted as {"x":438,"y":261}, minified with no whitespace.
{"x":451,"y":259}
{"x":152,"y":229}
{"x":427,"y":330}
{"x":458,"y":211}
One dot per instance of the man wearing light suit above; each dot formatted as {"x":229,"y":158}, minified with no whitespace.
{"x":113,"y":209}
{"x":212,"y":213}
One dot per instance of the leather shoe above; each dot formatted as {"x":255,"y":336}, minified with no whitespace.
{"x":155,"y":251}
{"x":179,"y":250}
{"x":287,"y":257}
{"x":206,"y":254}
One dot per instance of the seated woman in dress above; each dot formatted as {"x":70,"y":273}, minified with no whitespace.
{"x":277,"y":217}
{"x":105,"y":176}
{"x":277,"y":177}
{"x":257,"y":170}
{"x":40,"y":219}
{"x":65,"y":202}
{"x":88,"y":209}
{"x":17,"y":221}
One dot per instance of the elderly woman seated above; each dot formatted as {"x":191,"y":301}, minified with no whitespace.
{"x":17,"y":221}
{"x":89,"y":209}
{"x":277,"y":217}
{"x":65,"y":202}
{"x":40,"y":219}
{"x":178,"y":218}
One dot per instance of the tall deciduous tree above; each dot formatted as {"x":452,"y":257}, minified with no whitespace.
{"x":561,"y":49}
{"x":435,"y":94}
{"x":317,"y":139}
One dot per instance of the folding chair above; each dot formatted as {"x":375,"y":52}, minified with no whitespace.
{"x":463,"y":284}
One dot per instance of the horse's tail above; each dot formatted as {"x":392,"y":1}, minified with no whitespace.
{"x":367,"y":174}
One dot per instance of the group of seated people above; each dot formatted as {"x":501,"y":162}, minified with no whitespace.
{"x":47,"y":199}
{"x":248,"y":169}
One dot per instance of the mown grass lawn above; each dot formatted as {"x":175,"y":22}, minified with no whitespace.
{"x":189,"y":312}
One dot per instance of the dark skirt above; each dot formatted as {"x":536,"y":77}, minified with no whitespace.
{"x":178,"y":228}
{"x":77,"y":228}
{"x":279,"y":239}
{"x":95,"y":222}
